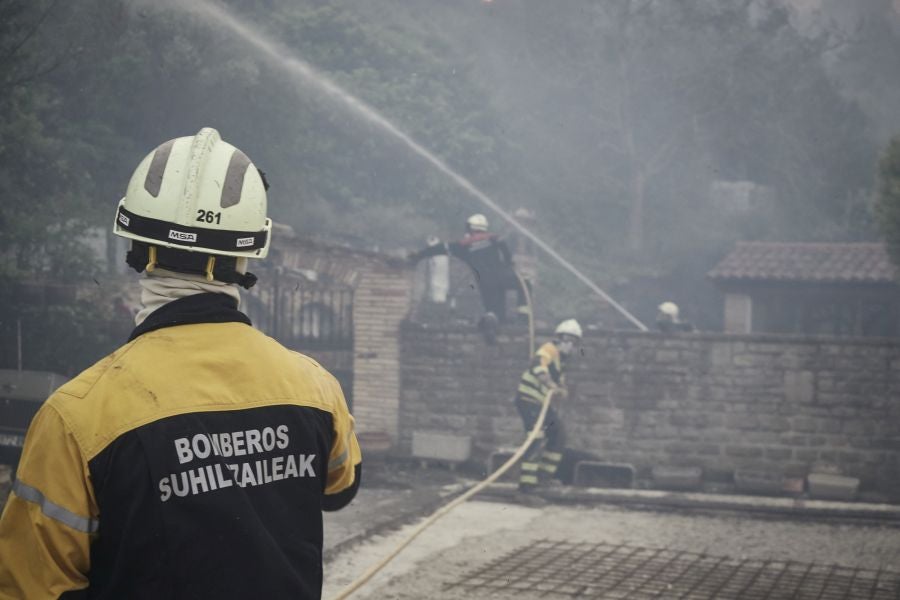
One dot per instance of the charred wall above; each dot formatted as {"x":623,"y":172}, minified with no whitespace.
{"x":722,"y":402}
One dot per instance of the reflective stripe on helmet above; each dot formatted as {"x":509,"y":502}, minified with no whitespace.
{"x":182,"y":235}
{"x":153,"y":180}
{"x":234,"y":179}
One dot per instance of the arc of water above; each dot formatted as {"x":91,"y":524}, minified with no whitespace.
{"x":281,"y":55}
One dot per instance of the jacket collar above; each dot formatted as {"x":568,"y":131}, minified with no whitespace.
{"x":199,"y":308}
{"x":476,"y":236}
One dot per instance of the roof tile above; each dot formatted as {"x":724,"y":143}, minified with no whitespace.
{"x":808,"y":262}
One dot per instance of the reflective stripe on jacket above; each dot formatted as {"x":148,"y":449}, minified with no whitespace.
{"x":193,"y":462}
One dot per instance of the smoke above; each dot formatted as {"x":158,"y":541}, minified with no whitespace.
{"x":302,"y":71}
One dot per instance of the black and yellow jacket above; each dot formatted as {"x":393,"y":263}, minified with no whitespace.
{"x":193,"y":462}
{"x":547,"y":360}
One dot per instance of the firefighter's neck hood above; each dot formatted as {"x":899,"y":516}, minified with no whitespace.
{"x":160,"y":287}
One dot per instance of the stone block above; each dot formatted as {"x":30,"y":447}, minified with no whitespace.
{"x":795,"y":440}
{"x":434,"y":445}
{"x":679,"y":447}
{"x":776,"y":453}
{"x":772,"y":422}
{"x":589,"y":473}
{"x":708,"y":449}
{"x":824,"y":486}
{"x":803,"y":425}
{"x":806,"y":455}
{"x":744,"y":451}
{"x":667,"y":356}
{"x":858,"y":427}
{"x":677,"y":478}
{"x":758,"y":481}
{"x":742,"y":421}
{"x":829,"y":426}
{"x":793,"y":486}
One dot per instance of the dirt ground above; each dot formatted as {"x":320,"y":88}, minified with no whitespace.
{"x":479,"y":532}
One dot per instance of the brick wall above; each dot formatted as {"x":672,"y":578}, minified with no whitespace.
{"x":381,"y":300}
{"x":717,"y":401}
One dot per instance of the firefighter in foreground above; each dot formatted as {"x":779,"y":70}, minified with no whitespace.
{"x":541,"y":460}
{"x":194,"y":461}
{"x":491,"y":261}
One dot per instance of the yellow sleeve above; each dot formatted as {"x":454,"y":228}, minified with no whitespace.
{"x":543,"y":357}
{"x":345,"y":452}
{"x":51,"y":513}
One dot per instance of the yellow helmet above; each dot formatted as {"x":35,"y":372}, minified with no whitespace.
{"x":194,"y":201}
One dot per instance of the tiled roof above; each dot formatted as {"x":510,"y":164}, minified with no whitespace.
{"x":825,"y":263}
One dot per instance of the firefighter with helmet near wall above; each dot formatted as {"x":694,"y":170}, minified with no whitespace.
{"x":542,"y":458}
{"x":668,"y":319}
{"x":489,"y":258}
{"x":195,"y":460}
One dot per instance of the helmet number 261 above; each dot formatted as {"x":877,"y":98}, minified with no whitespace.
{"x":208,"y":216}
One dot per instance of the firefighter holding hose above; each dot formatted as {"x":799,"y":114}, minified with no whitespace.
{"x":545,"y":374}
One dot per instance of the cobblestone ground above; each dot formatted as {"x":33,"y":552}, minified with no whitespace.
{"x":479,"y":533}
{"x":445,"y":559}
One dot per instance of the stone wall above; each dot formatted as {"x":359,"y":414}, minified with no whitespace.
{"x":721,"y":402}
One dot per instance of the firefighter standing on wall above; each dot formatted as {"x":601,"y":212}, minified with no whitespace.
{"x":542,"y":458}
{"x":491,"y":261}
{"x":194,"y":461}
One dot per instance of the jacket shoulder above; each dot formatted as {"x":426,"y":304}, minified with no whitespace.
{"x":549,"y":350}
{"x":189,"y":369}
{"x":80,"y":385}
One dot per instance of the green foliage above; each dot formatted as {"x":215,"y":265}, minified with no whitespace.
{"x":57,"y":327}
{"x":622,"y":114}
{"x":88,"y":90}
{"x":887,"y":207}
{"x":609,"y":120}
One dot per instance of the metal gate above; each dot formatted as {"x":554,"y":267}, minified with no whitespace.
{"x":309,"y":316}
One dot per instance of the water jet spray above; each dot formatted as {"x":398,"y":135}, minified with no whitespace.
{"x":281,"y":56}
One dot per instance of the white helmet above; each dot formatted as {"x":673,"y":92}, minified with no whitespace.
{"x":477,"y":222}
{"x":669,"y":308}
{"x":196,"y":205}
{"x":569,"y":327}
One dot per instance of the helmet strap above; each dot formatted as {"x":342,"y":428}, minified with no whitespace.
{"x":210,"y":265}
{"x":151,"y":259}
{"x":145,"y":257}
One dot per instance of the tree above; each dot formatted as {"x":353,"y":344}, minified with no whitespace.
{"x":887,"y":207}
{"x":37,"y":183}
{"x":620,"y":114}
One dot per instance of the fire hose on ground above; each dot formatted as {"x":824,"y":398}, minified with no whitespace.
{"x":535,"y":432}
